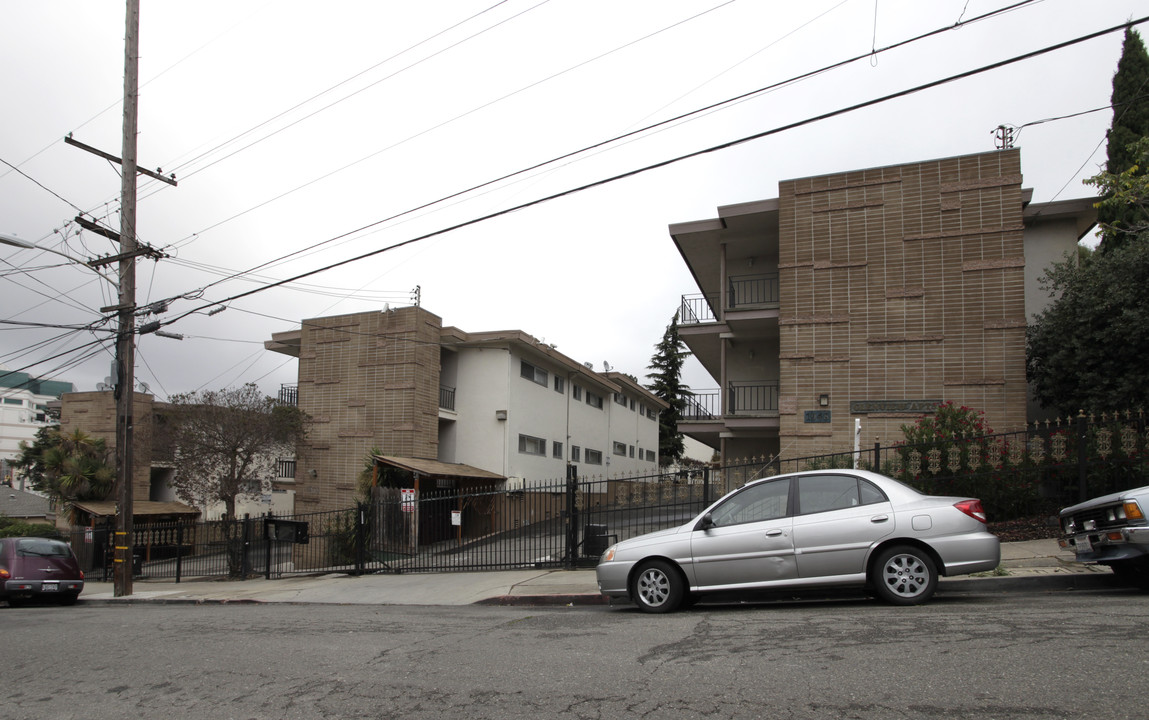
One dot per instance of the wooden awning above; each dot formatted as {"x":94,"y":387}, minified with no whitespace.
{"x":140,"y":508}
{"x":436,"y":468}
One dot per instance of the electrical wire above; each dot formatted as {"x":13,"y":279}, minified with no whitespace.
{"x":617,"y":139}
{"x":665,"y":163}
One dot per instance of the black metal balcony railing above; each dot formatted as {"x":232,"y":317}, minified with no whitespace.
{"x":752,"y":396}
{"x":703,"y":405}
{"x":285,"y":468}
{"x":446,"y":397}
{"x":748,"y":290}
{"x":289,"y":394}
{"x":697,"y":309}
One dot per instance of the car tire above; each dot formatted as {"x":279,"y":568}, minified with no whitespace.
{"x":904,"y":575}
{"x":68,"y":598}
{"x":1131,"y":573}
{"x":657,"y":587}
{"x":15,"y":602}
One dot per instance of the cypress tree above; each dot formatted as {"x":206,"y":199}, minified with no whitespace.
{"x":1130,"y":123}
{"x":666,"y":382}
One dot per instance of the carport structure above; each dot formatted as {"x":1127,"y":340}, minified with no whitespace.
{"x":423,"y":501}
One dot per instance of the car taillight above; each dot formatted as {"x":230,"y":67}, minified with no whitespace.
{"x":4,"y":574}
{"x":972,"y":508}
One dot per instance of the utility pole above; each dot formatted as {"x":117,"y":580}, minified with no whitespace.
{"x":125,"y":339}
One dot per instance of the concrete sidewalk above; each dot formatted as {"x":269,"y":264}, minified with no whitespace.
{"x":1031,"y":565}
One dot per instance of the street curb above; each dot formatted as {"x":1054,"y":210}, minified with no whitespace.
{"x":1067,"y":581}
{"x":92,"y":602}
{"x":571,"y":599}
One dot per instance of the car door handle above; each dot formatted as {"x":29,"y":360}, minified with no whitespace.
{"x":773,"y":533}
{"x":879,"y":518}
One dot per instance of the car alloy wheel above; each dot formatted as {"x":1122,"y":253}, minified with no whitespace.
{"x":905,"y":576}
{"x":657,"y":587}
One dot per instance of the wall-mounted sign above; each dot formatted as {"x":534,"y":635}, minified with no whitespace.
{"x":817,"y":416}
{"x":862,"y":407}
{"x":407,"y":498}
{"x":457,"y":517}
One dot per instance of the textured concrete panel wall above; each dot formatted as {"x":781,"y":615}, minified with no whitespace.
{"x":369,"y":381}
{"x":902,"y":283}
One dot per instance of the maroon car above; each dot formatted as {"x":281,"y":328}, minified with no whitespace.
{"x":32,"y":567}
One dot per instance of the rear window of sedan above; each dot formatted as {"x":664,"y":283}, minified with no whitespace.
{"x":40,"y":547}
{"x":823,"y":493}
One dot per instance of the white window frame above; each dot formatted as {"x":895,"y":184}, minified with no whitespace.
{"x":526,"y":441}
{"x":534,"y":373}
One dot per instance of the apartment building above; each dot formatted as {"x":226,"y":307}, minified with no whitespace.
{"x":24,"y":410}
{"x":860,"y":300}
{"x":463,"y":408}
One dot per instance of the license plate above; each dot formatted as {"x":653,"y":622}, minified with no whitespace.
{"x":50,"y":586}
{"x":1083,"y":545}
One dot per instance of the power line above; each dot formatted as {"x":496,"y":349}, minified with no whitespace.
{"x":613,"y":140}
{"x":672,"y":161}
{"x":444,"y":123}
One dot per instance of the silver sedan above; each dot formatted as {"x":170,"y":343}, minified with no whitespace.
{"x":811,"y":529}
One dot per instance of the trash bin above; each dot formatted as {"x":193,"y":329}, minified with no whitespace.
{"x":594,"y":540}
{"x":137,"y":565}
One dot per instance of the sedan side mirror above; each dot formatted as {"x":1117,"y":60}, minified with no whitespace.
{"x":706,"y":522}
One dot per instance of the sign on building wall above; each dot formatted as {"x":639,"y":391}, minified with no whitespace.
{"x":407,"y":496}
{"x":862,"y":407}
{"x":817,"y":416}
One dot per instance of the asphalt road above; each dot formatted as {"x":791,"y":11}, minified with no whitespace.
{"x":1016,"y":655}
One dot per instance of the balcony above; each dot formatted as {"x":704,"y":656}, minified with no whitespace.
{"x":285,"y":469}
{"x":752,"y":291}
{"x":703,"y":405}
{"x":748,"y":397}
{"x":289,"y":395}
{"x":743,"y":292}
{"x":697,"y":309}
{"x":752,"y":397}
{"x":446,"y":397}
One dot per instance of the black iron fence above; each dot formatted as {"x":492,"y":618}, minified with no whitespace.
{"x":1028,"y":472}
{"x":566,"y":523}
{"x":561,"y":524}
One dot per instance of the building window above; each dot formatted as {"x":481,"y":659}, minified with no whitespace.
{"x":593,"y":457}
{"x":532,"y":445}
{"x":575,"y":453}
{"x":532,"y":373}
{"x":620,"y":399}
{"x":576,"y":392}
{"x":557,"y":450}
{"x":560,"y":384}
{"x":13,"y":401}
{"x":632,"y":403}
{"x":650,"y":456}
{"x":595,"y":401}
{"x":632,"y":451}
{"x":620,"y":449}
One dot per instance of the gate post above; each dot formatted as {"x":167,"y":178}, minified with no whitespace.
{"x":179,"y":549}
{"x":245,"y":564}
{"x":269,"y":517}
{"x":360,"y":537}
{"x":705,"y":488}
{"x":877,"y":456}
{"x":571,"y":552}
{"x":1082,"y":457}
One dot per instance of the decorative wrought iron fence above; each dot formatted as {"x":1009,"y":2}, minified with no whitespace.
{"x":1034,"y":471}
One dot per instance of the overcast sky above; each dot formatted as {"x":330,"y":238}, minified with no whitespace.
{"x":315,"y":129}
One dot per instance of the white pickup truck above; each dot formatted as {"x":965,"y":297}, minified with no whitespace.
{"x":1111,"y":530}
